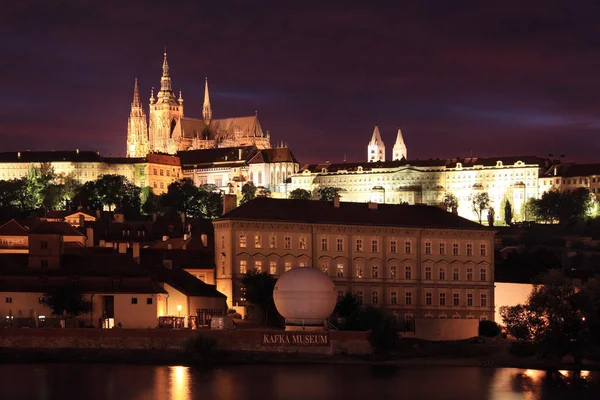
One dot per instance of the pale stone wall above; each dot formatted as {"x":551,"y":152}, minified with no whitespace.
{"x":510,"y":294}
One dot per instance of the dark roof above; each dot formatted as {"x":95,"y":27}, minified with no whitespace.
{"x":368,"y":166}
{"x":218,"y":155}
{"x":55,"y":228}
{"x":571,"y":170}
{"x":184,"y":282}
{"x":281,"y":154}
{"x":492,"y":161}
{"x":13,"y":228}
{"x":179,"y":258}
{"x":314,"y":211}
{"x":50,"y":156}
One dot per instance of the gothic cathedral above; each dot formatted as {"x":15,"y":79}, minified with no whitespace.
{"x":169,"y":131}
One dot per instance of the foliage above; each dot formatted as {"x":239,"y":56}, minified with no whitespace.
{"x":480,"y":203}
{"x":88,"y":196}
{"x":150,"y":201}
{"x":258,"y":287}
{"x":248,"y":192}
{"x":384,"y":333}
{"x":508,"y":213}
{"x":560,"y":316}
{"x":489,"y":328}
{"x":66,"y":300}
{"x":522,"y":349}
{"x":234,"y":314}
{"x":347,"y":305}
{"x":491,"y":216}
{"x":327,"y":193}
{"x":528,"y":210}
{"x":263,"y":192}
{"x":202,"y":346}
{"x":563,"y":207}
{"x":183,"y":197}
{"x":300,"y":194}
{"x":450,"y":201}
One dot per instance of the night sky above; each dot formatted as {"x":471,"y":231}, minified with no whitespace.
{"x":488,"y":77}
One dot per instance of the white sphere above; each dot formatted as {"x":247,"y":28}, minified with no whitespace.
{"x":305,"y":296}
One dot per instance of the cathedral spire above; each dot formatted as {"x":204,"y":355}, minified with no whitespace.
{"x":376,"y":148}
{"x":165,"y":80}
{"x":206,"y":110}
{"x":399,"y":150}
{"x":136,"y":95}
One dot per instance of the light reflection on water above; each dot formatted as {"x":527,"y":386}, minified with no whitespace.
{"x":289,"y":382}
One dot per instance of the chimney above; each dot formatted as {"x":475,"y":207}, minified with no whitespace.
{"x":122,"y":248}
{"x":19,"y":155}
{"x":136,"y":252}
{"x":102,"y":243}
{"x":81,"y":220}
{"x":239,"y":154}
{"x":98,"y":214}
{"x":89,"y":241}
{"x":372,"y":205}
{"x":336,"y":201}
{"x":229,"y":203}
{"x":169,"y":246}
{"x":204,"y":239}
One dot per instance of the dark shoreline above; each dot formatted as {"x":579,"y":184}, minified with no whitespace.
{"x":227,"y":358}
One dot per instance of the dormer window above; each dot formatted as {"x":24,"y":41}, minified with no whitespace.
{"x":498,"y":163}
{"x":458,"y":165}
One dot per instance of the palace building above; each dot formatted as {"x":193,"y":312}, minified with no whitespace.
{"x":167,"y":130}
{"x":419,"y":261}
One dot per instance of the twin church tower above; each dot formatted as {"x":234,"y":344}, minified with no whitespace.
{"x":168,"y":131}
{"x":376,"y":148}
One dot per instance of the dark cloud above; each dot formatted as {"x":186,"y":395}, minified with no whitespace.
{"x":496,"y":77}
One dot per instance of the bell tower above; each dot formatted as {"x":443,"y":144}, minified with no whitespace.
{"x":165,"y":111}
{"x":137,"y":128}
{"x":399,"y":150}
{"x":376,"y":148}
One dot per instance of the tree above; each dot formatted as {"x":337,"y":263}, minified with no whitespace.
{"x":327,"y":193}
{"x":451,"y":202}
{"x":258,"y":287}
{"x":150,"y":201}
{"x":181,"y":197}
{"x":248,"y":192}
{"x":558,"y":316}
{"x":263,"y":192}
{"x":300,"y":194}
{"x":210,"y":201}
{"x":508,"y":214}
{"x":347,"y":305}
{"x":110,"y":189}
{"x":67,"y":301}
{"x":491,"y":216}
{"x":88,"y":196}
{"x":481,"y":202}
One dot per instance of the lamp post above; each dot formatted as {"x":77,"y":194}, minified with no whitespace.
{"x":179,"y":309}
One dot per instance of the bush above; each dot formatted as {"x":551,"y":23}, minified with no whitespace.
{"x":202,"y":346}
{"x":489,"y":329}
{"x":522,"y":349}
{"x":384,"y":335}
{"x":234,"y":314}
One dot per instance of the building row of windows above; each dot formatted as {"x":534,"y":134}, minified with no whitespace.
{"x":409,"y":299}
{"x":469,"y":274}
{"x":162,"y":172}
{"x":362,"y":245}
{"x":134,"y":300}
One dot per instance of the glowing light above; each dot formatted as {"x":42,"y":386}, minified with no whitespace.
{"x":585,"y":374}
{"x":564,"y":372}
{"x":180,"y":387}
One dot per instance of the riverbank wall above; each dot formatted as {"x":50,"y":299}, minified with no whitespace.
{"x":350,"y":343}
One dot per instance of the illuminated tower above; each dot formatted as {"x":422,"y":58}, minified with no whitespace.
{"x":399,"y":150}
{"x":206,"y":110}
{"x":165,"y":111}
{"x":376,"y":148}
{"x":137,"y":128}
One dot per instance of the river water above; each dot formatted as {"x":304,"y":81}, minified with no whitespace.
{"x":288,"y":382}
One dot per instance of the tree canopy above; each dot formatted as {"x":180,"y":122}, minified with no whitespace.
{"x":327,"y":193}
{"x":67,"y":301}
{"x":562,"y":207}
{"x":300,"y":194}
{"x":248,"y":192}
{"x":481,"y":202}
{"x":450,"y":201}
{"x":258,"y":289}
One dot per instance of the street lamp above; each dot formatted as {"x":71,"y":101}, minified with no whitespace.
{"x":179,"y":309}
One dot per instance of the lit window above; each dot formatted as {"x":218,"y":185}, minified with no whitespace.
{"x":407,"y":272}
{"x":427,"y":248}
{"x":258,"y":265}
{"x":243,"y":266}
{"x":375,"y":271}
{"x":340,"y":244}
{"x":325,"y":268}
{"x":288,"y":266}
{"x":257,"y":241}
{"x":375,"y":246}
{"x":243,"y":242}
{"x":393,"y":272}
{"x":427,"y":273}
{"x":272,"y":243}
{"x":359,"y":245}
{"x":408,"y":298}
{"x":428,"y":299}
{"x":302,"y":243}
{"x":359,"y":271}
{"x":454,"y":249}
{"x":324,"y":244}
{"x":273,"y":267}
{"x":340,"y":270}
{"x":287,"y":242}
{"x":442,"y":299}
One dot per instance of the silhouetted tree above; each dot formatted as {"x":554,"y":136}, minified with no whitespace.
{"x":508,"y":214}
{"x":66,"y":300}
{"x":300,"y":194}
{"x":481,"y":202}
{"x":248,"y":192}
{"x":491,"y":216}
{"x":327,"y":193}
{"x":258,"y":287}
{"x":451,"y":202}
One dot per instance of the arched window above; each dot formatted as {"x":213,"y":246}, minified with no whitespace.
{"x":252,"y":177}
{"x":259,"y":177}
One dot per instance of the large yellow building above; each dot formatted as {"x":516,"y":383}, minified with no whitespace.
{"x":419,"y":261}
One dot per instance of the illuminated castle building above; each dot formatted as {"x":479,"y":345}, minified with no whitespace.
{"x":168,"y":131}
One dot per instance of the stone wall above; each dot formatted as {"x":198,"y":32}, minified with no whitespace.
{"x":164,"y":339}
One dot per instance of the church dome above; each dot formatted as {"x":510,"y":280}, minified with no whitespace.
{"x":304,"y":296}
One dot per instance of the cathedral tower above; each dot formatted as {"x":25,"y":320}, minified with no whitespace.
{"x":137,"y":128}
{"x":165,"y":111}
{"x":376,"y":148}
{"x":399,"y":150}
{"x":206,"y":110}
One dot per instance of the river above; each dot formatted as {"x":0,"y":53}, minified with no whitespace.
{"x":288,"y":382}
